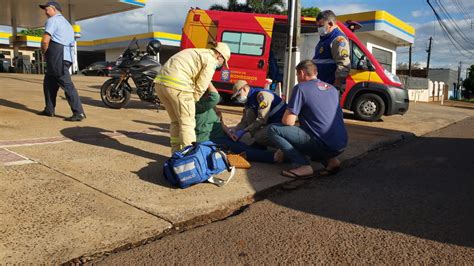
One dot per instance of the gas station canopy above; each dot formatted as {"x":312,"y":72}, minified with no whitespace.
{"x":29,"y":15}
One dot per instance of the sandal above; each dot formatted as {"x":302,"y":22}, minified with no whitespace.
{"x":291,"y":174}
{"x":329,"y":172}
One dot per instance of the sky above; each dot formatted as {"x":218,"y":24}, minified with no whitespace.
{"x":169,"y":15}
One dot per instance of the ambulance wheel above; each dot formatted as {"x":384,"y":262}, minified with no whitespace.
{"x":369,"y":107}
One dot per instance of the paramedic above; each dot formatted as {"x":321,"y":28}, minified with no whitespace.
{"x":261,"y":108}
{"x":182,"y":80}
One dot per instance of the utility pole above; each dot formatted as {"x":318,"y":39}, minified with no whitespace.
{"x":458,"y":90}
{"x":150,"y":22}
{"x":429,"y":56}
{"x":409,"y":62}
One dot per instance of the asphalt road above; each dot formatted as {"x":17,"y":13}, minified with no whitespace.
{"x":412,"y":202}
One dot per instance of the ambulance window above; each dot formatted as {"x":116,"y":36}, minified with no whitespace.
{"x":244,"y":43}
{"x":358,"y":59}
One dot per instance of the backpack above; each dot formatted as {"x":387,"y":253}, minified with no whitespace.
{"x":197,"y":163}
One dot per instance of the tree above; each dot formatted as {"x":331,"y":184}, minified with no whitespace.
{"x":33,"y":32}
{"x":253,"y":6}
{"x":469,"y":82}
{"x":310,"y":12}
{"x":306,"y":12}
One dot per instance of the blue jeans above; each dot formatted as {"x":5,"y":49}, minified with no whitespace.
{"x":252,"y":154}
{"x":296,"y":143}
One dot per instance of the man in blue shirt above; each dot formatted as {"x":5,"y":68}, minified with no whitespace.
{"x":321,"y":135}
{"x":57,"y":44}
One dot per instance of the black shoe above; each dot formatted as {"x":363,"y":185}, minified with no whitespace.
{"x":46,"y":113}
{"x":75,"y":118}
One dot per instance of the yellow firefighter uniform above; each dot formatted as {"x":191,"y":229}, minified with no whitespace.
{"x":182,"y":81}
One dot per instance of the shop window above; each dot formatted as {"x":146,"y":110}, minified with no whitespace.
{"x":244,"y":43}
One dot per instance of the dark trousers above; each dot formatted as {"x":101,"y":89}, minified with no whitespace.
{"x":51,"y":86}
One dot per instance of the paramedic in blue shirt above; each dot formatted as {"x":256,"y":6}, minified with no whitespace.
{"x":57,"y":44}
{"x":321,"y":135}
{"x":331,"y":55}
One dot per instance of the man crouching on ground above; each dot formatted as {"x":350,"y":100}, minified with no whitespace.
{"x":262,"y":108}
{"x":321,"y":135}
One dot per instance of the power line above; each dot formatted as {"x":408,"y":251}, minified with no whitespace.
{"x":450,"y":28}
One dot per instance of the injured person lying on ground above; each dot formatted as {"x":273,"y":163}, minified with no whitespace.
{"x":209,"y":126}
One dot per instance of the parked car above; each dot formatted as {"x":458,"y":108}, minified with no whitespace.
{"x":101,"y":68}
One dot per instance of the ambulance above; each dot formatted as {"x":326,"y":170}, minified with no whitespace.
{"x":258,"y":44}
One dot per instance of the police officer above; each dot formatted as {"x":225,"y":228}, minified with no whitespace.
{"x":57,"y":44}
{"x":262,"y":107}
{"x":332,"y":52}
{"x":182,"y":80}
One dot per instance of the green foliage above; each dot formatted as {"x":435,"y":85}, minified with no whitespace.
{"x":253,"y":6}
{"x":310,"y":12}
{"x":469,"y":81}
{"x":305,"y":12}
{"x":32,"y":32}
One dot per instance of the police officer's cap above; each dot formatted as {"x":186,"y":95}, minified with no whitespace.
{"x":51,"y":3}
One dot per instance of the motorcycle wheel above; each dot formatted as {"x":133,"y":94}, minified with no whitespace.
{"x":114,"y":99}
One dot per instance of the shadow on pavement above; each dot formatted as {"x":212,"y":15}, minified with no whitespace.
{"x":98,"y":137}
{"x":18,"y":106}
{"x":163,"y":127}
{"x":23,"y":107}
{"x":422,"y":188}
{"x":133,"y":104}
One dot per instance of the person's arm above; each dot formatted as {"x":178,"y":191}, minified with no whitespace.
{"x":49,"y":29}
{"x":264,"y":100}
{"x":205,"y":77}
{"x":340,"y":53}
{"x":45,"y":42}
{"x":289,"y":119}
{"x":207,"y":103}
{"x":295,"y":104}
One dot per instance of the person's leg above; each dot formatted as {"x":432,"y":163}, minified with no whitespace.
{"x":50,"y":90}
{"x":187,"y":120}
{"x":261,"y":137}
{"x":71,"y":93}
{"x":252,"y":154}
{"x":291,"y":140}
{"x":171,"y":108}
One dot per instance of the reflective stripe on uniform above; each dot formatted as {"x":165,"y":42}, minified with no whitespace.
{"x":175,"y":140}
{"x":171,"y":80}
{"x":324,"y":61}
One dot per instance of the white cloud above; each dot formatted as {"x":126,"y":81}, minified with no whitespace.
{"x":344,"y":8}
{"x":421,"y":13}
{"x":168,"y":16}
{"x":444,"y":53}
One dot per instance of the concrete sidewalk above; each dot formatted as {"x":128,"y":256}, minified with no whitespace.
{"x":74,"y":190}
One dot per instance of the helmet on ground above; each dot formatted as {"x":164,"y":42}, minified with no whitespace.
{"x":153,"y":47}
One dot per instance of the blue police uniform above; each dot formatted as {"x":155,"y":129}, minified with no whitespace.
{"x":323,"y":57}
{"x":275,"y":114}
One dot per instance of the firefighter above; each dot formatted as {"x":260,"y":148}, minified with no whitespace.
{"x":182,"y":80}
{"x":332,"y":52}
{"x":262,"y":107}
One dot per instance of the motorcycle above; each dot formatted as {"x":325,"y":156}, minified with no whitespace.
{"x":141,"y":67}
